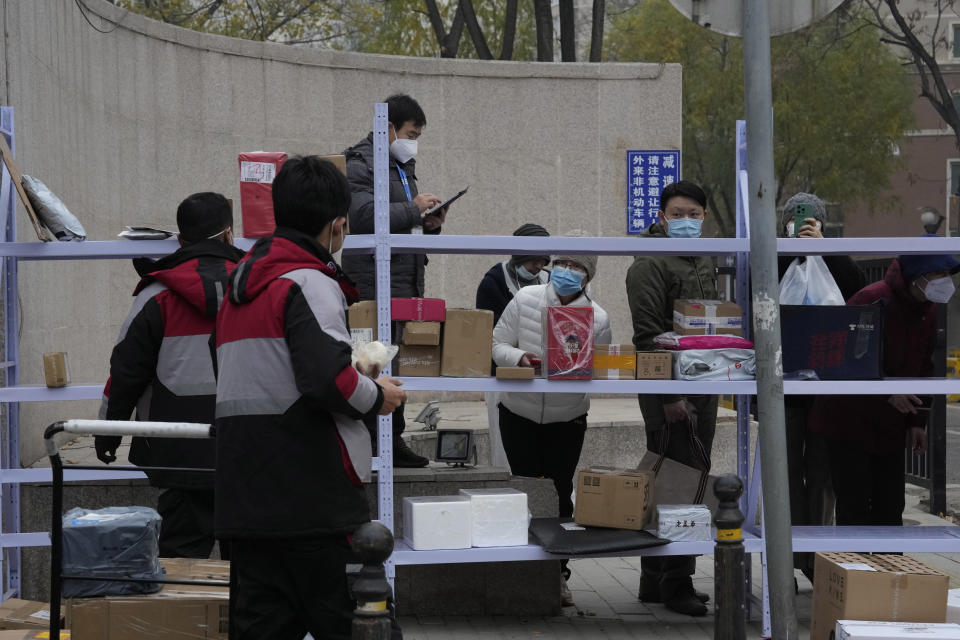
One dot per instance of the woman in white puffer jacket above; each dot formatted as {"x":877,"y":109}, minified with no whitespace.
{"x":543,"y":432}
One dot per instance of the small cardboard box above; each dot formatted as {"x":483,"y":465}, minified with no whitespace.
{"x":422,"y":333}
{"x":654,"y":365}
{"x":614,"y":362}
{"x":418,"y":361}
{"x":467,"y":343}
{"x":874,"y":587}
{"x":515,"y":373}
{"x":173,"y":613}
{"x":362,"y":318}
{"x":861,"y":630}
{"x":24,"y":614}
{"x":55,"y":371}
{"x":617,"y":498}
{"x":707,"y":317}
{"x":419,"y":309}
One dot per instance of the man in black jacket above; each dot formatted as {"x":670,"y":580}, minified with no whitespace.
{"x":407,"y":207}
{"x":161,"y":367}
{"x":808,"y":463}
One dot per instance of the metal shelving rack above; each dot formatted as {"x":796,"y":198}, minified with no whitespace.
{"x":383,"y":244}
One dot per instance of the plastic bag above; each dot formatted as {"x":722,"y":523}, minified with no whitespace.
{"x":810,"y":282}
{"x":52,"y":212}
{"x":715,"y":364}
{"x":676,"y":342}
{"x":370,"y":358}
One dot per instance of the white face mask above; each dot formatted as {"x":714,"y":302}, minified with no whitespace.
{"x":403,"y":150}
{"x":939,"y":290}
{"x":338,"y":255}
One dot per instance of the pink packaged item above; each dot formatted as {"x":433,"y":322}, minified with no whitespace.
{"x":676,"y":342}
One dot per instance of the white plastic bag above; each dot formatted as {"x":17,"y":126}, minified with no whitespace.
{"x":715,"y":364}
{"x":370,"y":358}
{"x":810,"y":282}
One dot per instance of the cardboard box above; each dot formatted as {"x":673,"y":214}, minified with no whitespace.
{"x":617,"y":498}
{"x":839,"y":343}
{"x":418,"y":361}
{"x":854,"y":586}
{"x":654,"y":365}
{"x":861,"y":630}
{"x":614,"y":362}
{"x":707,"y":317}
{"x":55,"y":371}
{"x":362,"y":318}
{"x":419,"y":309}
{"x":423,"y":333}
{"x":467,"y":343}
{"x":257,"y":171}
{"x":174,"y":613}
{"x":569,"y":342}
{"x":24,"y":614}
{"x":515,"y":373}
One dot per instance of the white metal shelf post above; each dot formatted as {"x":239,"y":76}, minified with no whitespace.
{"x":10,"y":455}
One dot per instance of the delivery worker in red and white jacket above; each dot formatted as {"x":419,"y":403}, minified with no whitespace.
{"x":292,"y":448}
{"x":161,"y":367}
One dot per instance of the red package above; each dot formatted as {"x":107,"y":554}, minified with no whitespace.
{"x":569,"y":342}
{"x":418,"y":309}
{"x":257,"y":171}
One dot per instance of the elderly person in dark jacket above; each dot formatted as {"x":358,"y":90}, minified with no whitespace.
{"x":867,"y":434}
{"x":407,"y":207}
{"x":808,"y":463}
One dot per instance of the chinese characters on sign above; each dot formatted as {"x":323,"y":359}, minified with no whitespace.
{"x":648,"y":172}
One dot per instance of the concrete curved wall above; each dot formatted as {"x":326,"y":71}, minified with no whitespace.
{"x":124,"y":124}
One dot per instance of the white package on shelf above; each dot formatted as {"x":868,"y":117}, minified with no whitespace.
{"x":684,"y":522}
{"x":860,"y":630}
{"x":499,"y":517}
{"x":953,"y":605}
{"x":436,"y":522}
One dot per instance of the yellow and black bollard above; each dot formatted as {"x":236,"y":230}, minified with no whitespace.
{"x":372,"y":544}
{"x":729,"y":573}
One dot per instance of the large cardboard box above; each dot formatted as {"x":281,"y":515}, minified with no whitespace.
{"x":617,"y":498}
{"x":861,"y":630}
{"x":425,"y":333}
{"x":569,"y":340}
{"x":24,"y":614}
{"x":418,"y":361}
{"x":362,"y":318}
{"x":838,"y":342}
{"x":855,"y":586}
{"x":175,"y":612}
{"x":707,"y":317}
{"x":614,"y":362}
{"x":467,"y":343}
{"x":654,"y":365}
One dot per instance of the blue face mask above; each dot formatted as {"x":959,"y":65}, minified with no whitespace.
{"x":523,"y":274}
{"x":684,"y":227}
{"x":566,"y":281}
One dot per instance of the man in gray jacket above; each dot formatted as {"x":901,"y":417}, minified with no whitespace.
{"x":407,"y":207}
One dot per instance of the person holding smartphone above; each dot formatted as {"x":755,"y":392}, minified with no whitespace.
{"x":808,"y":464}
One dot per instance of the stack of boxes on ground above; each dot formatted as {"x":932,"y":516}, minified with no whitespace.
{"x":862,"y":596}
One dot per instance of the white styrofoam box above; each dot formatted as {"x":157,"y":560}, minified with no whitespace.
{"x":953,"y":605}
{"x":499,"y":517}
{"x":436,"y":522}
{"x":686,"y":522}
{"x":860,"y":630}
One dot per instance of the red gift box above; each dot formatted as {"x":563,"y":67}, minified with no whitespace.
{"x":569,"y":343}
{"x":257,"y":171}
{"x":418,"y":309}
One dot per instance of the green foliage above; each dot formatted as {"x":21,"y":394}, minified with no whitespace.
{"x":841,"y":101}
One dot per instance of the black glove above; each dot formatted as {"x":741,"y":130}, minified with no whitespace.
{"x":106,"y":447}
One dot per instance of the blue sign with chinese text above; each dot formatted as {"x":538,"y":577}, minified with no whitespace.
{"x":648,"y":172}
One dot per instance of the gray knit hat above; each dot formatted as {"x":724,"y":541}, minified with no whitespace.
{"x":819,"y":209}
{"x":586,"y":260}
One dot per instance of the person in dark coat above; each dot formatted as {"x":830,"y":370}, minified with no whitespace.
{"x":495,"y":292}
{"x":407,"y":207}
{"x":292,"y":450}
{"x":866,"y":435}
{"x":808,"y":463}
{"x":161,"y":368}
